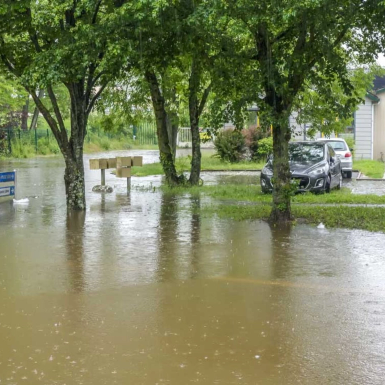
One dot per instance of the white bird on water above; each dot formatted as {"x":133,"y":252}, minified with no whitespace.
{"x":321,"y":226}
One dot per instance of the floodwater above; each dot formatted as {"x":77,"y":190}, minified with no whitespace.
{"x":141,"y":289}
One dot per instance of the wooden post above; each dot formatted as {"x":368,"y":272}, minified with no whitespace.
{"x":103,"y":174}
{"x":128,"y":184}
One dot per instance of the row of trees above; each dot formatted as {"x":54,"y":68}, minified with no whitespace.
{"x":186,"y":54}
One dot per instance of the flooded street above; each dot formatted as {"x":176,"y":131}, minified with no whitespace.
{"x":142,"y":289}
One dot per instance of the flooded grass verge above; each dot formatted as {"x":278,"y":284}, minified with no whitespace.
{"x":253,"y":193}
{"x":363,"y":218}
{"x":337,"y":209}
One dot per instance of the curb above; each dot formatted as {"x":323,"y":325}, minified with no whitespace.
{"x":369,"y":179}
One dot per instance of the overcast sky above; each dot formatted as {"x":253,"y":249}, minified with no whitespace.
{"x":381,"y":60}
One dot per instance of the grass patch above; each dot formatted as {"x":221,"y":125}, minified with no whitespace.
{"x":370,"y":168}
{"x":147,"y":169}
{"x":253,"y":193}
{"x":21,"y":150}
{"x":364,"y":218}
{"x":211,"y":163}
{"x":208,"y":164}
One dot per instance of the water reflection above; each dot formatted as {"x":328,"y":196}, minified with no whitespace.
{"x":75,"y":250}
{"x":195,"y":236}
{"x":281,"y":237}
{"x":146,"y":289}
{"x":167,"y":238}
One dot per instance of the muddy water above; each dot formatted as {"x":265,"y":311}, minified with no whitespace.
{"x":143,"y":290}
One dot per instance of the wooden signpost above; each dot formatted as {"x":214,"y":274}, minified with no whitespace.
{"x":122,"y":164}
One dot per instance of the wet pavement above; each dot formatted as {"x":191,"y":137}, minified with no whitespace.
{"x":141,"y":289}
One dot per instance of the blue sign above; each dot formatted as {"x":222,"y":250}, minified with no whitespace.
{"x":7,"y":191}
{"x":7,"y":176}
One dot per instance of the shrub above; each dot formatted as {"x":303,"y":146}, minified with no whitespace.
{"x":47,"y":146}
{"x":21,"y":150}
{"x":265,"y":147}
{"x":252,"y":136}
{"x":350,"y":142}
{"x":230,"y":146}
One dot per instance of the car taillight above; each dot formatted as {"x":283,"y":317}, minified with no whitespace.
{"x":348,"y":155}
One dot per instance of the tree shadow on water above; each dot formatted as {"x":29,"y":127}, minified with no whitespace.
{"x":195,"y":236}
{"x":167,"y":238}
{"x":281,"y":237}
{"x":179,"y":235}
{"x":75,"y":249}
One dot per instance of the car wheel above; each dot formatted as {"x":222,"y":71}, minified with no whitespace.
{"x":327,"y":185}
{"x":339,"y":186}
{"x":349,"y":174}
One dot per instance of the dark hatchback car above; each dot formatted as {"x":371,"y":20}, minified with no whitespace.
{"x":314,"y":165}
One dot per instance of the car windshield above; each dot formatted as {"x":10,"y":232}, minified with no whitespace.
{"x":338,"y":145}
{"x":306,"y":152}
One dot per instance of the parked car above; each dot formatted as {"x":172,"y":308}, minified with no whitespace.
{"x":343,"y":152}
{"x":314,"y":165}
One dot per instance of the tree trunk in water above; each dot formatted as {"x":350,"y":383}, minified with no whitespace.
{"x":195,"y":111}
{"x":194,"y":83}
{"x":74,"y":172}
{"x":281,"y":212}
{"x":74,"y":183}
{"x":172,"y":129}
{"x":196,"y":144}
{"x":167,"y":158}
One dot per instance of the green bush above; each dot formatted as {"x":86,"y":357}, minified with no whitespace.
{"x":47,"y":146}
{"x":230,"y":146}
{"x":252,"y":137}
{"x":350,"y":142}
{"x":265,"y":147}
{"x":21,"y":150}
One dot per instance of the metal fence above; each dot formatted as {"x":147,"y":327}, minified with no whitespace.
{"x":145,"y":133}
{"x":10,"y":136}
{"x":12,"y":139}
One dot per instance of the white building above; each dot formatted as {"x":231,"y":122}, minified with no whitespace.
{"x":367,"y":129}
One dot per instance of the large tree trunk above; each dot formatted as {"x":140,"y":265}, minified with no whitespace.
{"x":72,"y":148}
{"x":196,"y":159}
{"x":172,"y":129}
{"x":74,"y":173}
{"x":173,"y":121}
{"x":167,"y":158}
{"x":282,"y":191}
{"x":195,"y":111}
{"x":74,"y":183}
{"x":193,"y":105}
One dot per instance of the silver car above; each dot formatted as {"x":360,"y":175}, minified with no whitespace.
{"x":343,"y":152}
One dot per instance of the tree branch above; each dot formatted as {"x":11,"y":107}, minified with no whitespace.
{"x":97,"y":77}
{"x":8,"y":64}
{"x":50,"y":120}
{"x":56,"y":109}
{"x":94,"y":17}
{"x":95,"y":97}
{"x":90,"y":81}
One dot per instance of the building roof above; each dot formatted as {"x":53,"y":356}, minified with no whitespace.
{"x":380,"y":91}
{"x":372,"y":97}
